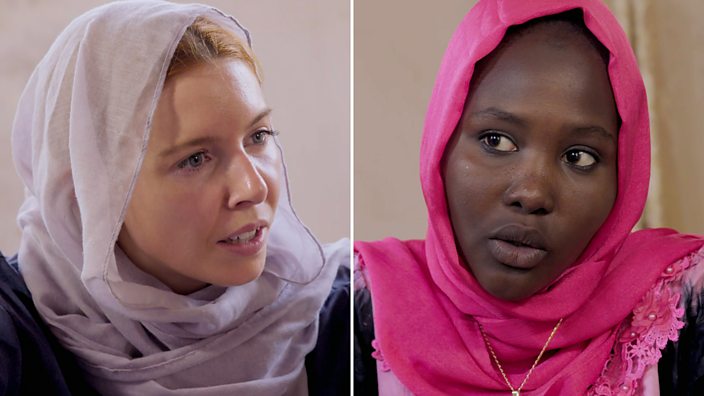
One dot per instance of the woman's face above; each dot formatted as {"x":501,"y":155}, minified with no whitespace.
{"x":209,"y":185}
{"x":530,"y":172}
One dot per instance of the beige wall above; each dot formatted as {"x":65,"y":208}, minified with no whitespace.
{"x":304,"y":49}
{"x":398,"y":47}
{"x":397,"y":55}
{"x":669,"y":44}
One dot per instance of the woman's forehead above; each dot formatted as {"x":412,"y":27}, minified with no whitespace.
{"x":533,"y":74}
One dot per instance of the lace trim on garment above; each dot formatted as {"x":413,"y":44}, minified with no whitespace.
{"x":361,"y":282}
{"x":383,"y":365}
{"x":360,"y":278}
{"x":656,"y":320}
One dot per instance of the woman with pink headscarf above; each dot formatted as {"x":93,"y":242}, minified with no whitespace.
{"x":535,"y":162}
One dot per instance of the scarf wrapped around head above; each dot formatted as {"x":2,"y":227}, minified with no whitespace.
{"x":427,"y":304}
{"x":79,"y":138}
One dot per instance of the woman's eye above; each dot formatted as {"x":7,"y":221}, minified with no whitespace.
{"x":261,"y":136}
{"x":580,"y":159}
{"x":497,"y":142}
{"x":195,"y":161}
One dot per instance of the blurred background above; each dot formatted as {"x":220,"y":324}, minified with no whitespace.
{"x":398,"y":45}
{"x":304,"y":49}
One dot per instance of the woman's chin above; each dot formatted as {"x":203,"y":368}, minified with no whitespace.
{"x":505,"y":291}
{"x":243,"y":271}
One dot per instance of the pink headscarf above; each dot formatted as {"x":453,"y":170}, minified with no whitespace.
{"x":426,"y":303}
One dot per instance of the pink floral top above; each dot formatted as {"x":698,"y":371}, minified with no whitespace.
{"x":664,"y":313}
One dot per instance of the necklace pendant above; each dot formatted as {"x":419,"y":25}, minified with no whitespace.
{"x":515,"y":393}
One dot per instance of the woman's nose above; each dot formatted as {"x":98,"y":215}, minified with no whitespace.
{"x":246,"y":184}
{"x":531,"y":190}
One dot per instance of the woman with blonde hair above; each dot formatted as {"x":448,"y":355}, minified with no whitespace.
{"x":159,"y":243}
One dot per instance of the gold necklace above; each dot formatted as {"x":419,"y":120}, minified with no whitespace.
{"x":514,"y":391}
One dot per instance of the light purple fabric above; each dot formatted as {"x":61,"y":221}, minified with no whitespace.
{"x":79,"y":138}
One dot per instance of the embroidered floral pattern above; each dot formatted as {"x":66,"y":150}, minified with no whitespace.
{"x":383,"y":366}
{"x":656,"y":320}
{"x":360,"y":282}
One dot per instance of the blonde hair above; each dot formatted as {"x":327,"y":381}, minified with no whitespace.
{"x":205,"y":42}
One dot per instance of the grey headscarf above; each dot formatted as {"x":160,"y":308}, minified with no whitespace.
{"x":79,"y":138}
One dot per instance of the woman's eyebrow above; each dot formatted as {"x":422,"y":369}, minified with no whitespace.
{"x":593,"y":130}
{"x":259,"y":116}
{"x":494,"y":112}
{"x":203,"y":140}
{"x":199,"y":141}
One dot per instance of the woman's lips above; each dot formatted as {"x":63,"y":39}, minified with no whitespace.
{"x":516,"y":256}
{"x":245,"y":244}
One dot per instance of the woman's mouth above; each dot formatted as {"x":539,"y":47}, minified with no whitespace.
{"x":516,"y":255}
{"x":243,"y":237}
{"x":245,"y":242}
{"x":518,"y":246}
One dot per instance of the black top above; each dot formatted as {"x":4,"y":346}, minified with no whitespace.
{"x":32,"y":362}
{"x":680,"y":370}
{"x":328,"y":365}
